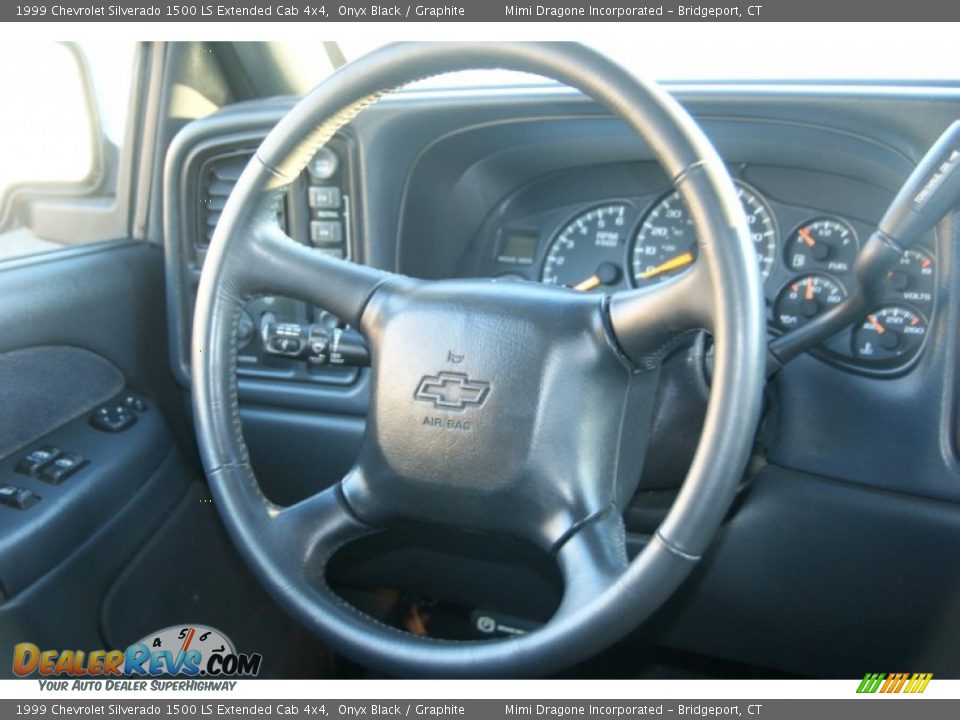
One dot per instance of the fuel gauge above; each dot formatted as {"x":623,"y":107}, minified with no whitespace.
{"x":891,"y":332}
{"x":826,"y":243}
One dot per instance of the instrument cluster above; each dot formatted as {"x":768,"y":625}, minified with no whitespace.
{"x":805,"y":257}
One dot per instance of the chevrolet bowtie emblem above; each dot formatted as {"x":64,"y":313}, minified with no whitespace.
{"x":452,"y":391}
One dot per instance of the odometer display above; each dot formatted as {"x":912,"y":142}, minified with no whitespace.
{"x":666,"y":243}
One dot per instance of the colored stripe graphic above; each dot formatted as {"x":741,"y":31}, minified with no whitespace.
{"x":919,"y":682}
{"x":871,"y":681}
{"x":892,"y":683}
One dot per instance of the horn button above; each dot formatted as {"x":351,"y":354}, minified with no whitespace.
{"x":494,"y":405}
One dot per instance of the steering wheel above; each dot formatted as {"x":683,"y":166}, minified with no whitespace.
{"x":500,"y":407}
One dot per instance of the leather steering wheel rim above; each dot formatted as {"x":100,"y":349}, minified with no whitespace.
{"x":616,"y":346}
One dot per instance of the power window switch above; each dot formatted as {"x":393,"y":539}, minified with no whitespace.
{"x":35,"y":460}
{"x":62,"y":468}
{"x":17,"y":497}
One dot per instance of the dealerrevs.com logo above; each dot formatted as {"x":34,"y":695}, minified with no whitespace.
{"x":180,"y":650}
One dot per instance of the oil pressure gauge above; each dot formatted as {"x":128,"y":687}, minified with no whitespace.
{"x":806,"y":297}
{"x":891,"y":332}
{"x":826,"y":243}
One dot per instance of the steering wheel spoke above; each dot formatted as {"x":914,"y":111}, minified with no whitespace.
{"x":591,"y":560}
{"x":647,"y":321}
{"x":307,"y":533}
{"x":275,"y":264}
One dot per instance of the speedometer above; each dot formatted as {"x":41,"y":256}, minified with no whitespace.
{"x":666,"y":243}
{"x":588,"y":252}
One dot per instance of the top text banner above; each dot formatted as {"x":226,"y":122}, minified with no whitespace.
{"x":481,"y":11}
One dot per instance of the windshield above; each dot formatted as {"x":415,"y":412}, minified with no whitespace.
{"x":695,"y":52}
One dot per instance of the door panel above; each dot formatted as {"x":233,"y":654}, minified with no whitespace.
{"x":80,"y":330}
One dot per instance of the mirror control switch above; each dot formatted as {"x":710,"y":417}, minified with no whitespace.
{"x":113,"y":418}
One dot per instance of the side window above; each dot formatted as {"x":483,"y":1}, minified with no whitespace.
{"x":62,"y":131}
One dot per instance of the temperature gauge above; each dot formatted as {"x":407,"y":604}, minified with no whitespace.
{"x":822,"y":244}
{"x":891,"y":332}
{"x":805,"y":298}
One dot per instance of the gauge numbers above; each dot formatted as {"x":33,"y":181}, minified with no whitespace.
{"x":587,"y":254}
{"x":889,"y":333}
{"x":825,"y":243}
{"x":666,"y":242}
{"x":805,"y":298}
{"x":913,"y":278}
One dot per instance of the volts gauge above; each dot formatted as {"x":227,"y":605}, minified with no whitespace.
{"x":912,"y":280}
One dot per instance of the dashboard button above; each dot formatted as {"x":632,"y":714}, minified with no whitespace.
{"x":324,"y":198}
{"x":34,"y":461}
{"x":326,"y":232}
{"x":324,"y":164}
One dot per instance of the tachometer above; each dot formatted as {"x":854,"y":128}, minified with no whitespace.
{"x":588,"y":252}
{"x":666,"y":243}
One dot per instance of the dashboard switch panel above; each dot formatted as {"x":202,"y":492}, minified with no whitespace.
{"x":328,"y":197}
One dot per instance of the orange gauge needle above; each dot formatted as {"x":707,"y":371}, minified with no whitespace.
{"x":876,"y":324}
{"x":807,"y":237}
{"x":590,"y":283}
{"x":672,"y":264}
{"x":809,"y":293}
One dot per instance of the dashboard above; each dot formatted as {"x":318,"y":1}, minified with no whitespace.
{"x":595,"y":228}
{"x":856,"y":457}
{"x":544,"y":186}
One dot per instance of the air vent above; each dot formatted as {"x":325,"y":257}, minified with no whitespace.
{"x":218,"y":175}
